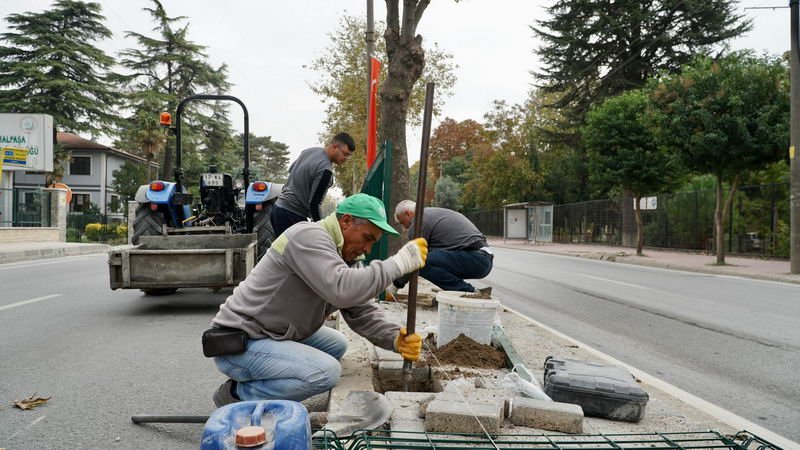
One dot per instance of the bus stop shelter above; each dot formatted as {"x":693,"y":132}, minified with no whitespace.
{"x":531,"y":221}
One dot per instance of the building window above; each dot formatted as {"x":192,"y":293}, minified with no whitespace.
{"x":80,"y":202}
{"x":80,"y":165}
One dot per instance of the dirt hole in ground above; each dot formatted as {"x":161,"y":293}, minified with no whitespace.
{"x":465,"y":352}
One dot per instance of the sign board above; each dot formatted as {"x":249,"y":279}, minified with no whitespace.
{"x":646,"y":203}
{"x":26,"y":142}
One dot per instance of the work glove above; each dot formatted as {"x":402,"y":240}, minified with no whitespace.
{"x":411,"y":256}
{"x":408,"y":346}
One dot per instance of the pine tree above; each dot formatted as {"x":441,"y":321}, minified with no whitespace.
{"x":50,"y":65}
{"x":270,"y":159}
{"x":168,"y":68}
{"x":595,"y":50}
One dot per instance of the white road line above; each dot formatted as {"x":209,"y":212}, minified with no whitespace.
{"x":27,"y":302}
{"x":606,"y":280}
{"x":723,"y":415}
{"x":44,"y":262}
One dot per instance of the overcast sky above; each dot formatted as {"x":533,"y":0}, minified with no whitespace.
{"x":266,"y":45}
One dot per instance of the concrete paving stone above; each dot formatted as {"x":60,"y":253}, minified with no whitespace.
{"x":457,"y":417}
{"x":406,"y":415}
{"x":552,"y":416}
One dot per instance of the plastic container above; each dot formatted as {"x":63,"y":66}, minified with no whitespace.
{"x":285,"y":424}
{"x":601,"y":390}
{"x":473,"y":317}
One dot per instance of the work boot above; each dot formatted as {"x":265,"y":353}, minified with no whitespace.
{"x":224,"y":394}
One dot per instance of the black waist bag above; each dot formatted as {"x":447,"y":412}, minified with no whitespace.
{"x":220,"y":341}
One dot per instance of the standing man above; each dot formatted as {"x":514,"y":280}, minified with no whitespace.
{"x":310,"y":176}
{"x":458,"y":250}
{"x":309,"y":272}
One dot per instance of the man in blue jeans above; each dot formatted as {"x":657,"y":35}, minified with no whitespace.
{"x":458,"y":250}
{"x":310,"y":271}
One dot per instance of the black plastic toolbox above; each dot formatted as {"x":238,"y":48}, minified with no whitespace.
{"x":601,"y":390}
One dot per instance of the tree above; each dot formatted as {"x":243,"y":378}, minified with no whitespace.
{"x":406,"y":63}
{"x":595,"y":50}
{"x":503,"y":171}
{"x":447,"y":194}
{"x":451,"y":140}
{"x":50,"y":65}
{"x":128,"y":178}
{"x":623,"y":152}
{"x":343,"y":86}
{"x":725,"y":117}
{"x":167,"y":69}
{"x":270,"y":159}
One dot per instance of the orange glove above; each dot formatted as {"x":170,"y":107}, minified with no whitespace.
{"x":408,"y":346}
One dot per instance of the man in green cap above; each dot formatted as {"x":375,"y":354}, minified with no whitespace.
{"x":309,"y":272}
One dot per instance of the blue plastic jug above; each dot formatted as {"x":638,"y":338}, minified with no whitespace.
{"x":286,"y":423}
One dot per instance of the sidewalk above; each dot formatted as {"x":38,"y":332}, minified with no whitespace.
{"x":26,"y":251}
{"x":757,"y":268}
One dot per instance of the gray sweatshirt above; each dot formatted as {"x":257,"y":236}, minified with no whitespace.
{"x":301,"y":280}
{"x":310,"y":176}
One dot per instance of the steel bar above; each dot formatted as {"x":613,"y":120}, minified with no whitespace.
{"x":411,"y":317}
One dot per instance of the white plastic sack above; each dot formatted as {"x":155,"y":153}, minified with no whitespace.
{"x":519,"y":387}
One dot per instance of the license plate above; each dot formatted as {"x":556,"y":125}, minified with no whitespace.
{"x":212,"y":179}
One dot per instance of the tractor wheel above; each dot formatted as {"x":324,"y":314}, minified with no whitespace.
{"x":146,"y":223}
{"x":159,"y":291}
{"x":263,"y":228}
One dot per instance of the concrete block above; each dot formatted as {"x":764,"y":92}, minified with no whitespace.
{"x":458,"y":417}
{"x":406,"y":414}
{"x":552,"y":416}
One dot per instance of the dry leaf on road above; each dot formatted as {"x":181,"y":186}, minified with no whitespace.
{"x":31,"y":402}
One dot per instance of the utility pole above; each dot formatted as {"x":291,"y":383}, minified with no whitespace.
{"x":794,"y":138}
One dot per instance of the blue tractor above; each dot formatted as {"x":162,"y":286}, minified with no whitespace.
{"x":170,"y":222}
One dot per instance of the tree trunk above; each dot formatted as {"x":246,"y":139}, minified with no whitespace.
{"x":406,"y":61}
{"x":639,"y":228}
{"x":721,"y":210}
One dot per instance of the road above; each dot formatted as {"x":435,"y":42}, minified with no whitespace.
{"x":101,"y":356}
{"x":104,"y":356}
{"x":731,"y":341}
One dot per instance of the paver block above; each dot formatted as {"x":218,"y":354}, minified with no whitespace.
{"x":553,"y":416}
{"x":458,"y":417}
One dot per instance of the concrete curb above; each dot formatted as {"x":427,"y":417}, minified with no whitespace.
{"x":31,"y":254}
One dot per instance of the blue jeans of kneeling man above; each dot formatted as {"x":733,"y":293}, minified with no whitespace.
{"x":448,"y":268}
{"x":286,"y":370}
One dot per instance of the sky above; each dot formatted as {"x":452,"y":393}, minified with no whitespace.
{"x":267,"y":45}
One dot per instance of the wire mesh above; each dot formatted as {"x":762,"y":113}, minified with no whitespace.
{"x":381,"y":439}
{"x":757,"y":222}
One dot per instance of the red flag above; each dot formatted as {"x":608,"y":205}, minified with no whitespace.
{"x":372,"y":121}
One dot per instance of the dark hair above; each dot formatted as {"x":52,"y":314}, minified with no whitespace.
{"x":346,"y":139}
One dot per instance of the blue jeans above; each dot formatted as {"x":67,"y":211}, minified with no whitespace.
{"x":286,"y":370}
{"x":448,"y":268}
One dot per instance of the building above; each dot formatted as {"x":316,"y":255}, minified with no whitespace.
{"x":89,"y":175}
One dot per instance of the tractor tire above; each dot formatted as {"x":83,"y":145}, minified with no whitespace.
{"x":159,"y":291}
{"x":146,"y":223}
{"x":263,"y":229}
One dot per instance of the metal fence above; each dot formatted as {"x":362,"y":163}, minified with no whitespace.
{"x":97,"y":228}
{"x":24,"y":208}
{"x":757,"y":223}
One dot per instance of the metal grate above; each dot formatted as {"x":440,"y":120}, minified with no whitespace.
{"x":381,"y":439}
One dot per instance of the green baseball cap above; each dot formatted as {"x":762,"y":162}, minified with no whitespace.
{"x":366,"y":207}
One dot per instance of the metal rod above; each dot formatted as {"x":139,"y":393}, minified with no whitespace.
{"x":411,"y":318}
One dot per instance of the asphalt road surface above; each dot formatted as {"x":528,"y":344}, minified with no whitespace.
{"x":731,"y":341}
{"x":102,"y":356}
